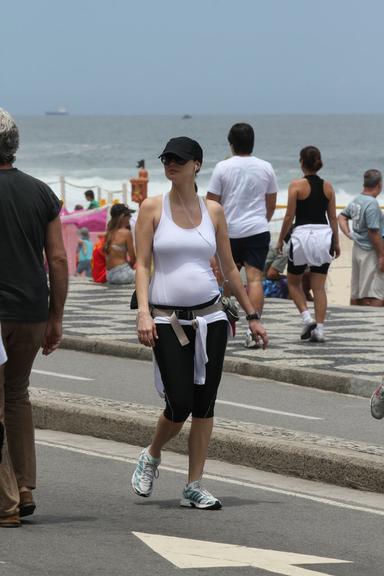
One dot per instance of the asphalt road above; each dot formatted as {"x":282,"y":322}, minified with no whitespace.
{"x":89,"y":523}
{"x":240,"y":398}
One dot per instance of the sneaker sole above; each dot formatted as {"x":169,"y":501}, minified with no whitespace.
{"x":10,"y":525}
{"x":138,"y":493}
{"x":307,"y":334}
{"x":189,"y":504}
{"x":376,"y":416}
{"x":27,"y":510}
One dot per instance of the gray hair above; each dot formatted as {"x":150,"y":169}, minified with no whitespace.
{"x":372,"y":178}
{"x":9,"y":138}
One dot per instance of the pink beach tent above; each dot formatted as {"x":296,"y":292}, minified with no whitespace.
{"x":96,"y":222}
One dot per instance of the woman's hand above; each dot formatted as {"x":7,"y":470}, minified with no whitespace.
{"x":258,"y":332}
{"x":146,"y":329}
{"x":337,"y":250}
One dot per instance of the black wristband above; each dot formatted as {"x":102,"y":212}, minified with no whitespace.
{"x":253,"y":316}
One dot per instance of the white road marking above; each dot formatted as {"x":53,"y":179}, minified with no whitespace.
{"x":59,"y":375}
{"x":224,"y":479}
{"x":260,"y":409}
{"x":187,"y":553}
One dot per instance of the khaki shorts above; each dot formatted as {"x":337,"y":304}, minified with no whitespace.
{"x":367,"y":281}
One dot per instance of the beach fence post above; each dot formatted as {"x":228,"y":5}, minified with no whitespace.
{"x":98,"y":193}
{"x":110,"y":197}
{"x":62,"y":189}
{"x":125,"y":192}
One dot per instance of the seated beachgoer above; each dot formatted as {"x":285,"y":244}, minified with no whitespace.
{"x":84,"y":249}
{"x":99,"y":271}
{"x":275,"y":282}
{"x":119,"y":248}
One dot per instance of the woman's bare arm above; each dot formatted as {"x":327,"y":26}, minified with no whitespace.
{"x":144,"y":232}
{"x":332,"y":218}
{"x":289,"y":214}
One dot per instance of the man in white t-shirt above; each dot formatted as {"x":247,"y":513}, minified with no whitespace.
{"x":246,"y":187}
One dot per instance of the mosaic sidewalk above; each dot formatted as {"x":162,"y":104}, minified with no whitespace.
{"x":354,"y":345}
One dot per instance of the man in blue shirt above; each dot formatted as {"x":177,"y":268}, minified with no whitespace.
{"x":367,"y":282}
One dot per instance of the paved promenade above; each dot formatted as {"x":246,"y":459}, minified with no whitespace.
{"x":353,"y":349}
{"x":98,"y":320}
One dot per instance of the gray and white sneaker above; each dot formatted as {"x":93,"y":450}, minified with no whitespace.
{"x":377,"y":403}
{"x":145,"y":473}
{"x":250,"y":342}
{"x":194,"y":496}
{"x":316,"y":336}
{"x":307,"y":330}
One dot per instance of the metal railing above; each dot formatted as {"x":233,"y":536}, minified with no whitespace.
{"x":100,"y":192}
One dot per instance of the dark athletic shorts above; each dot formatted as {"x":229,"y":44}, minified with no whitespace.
{"x":176,"y":364}
{"x":292,"y":269}
{"x":251,"y":250}
{"x":297,"y":270}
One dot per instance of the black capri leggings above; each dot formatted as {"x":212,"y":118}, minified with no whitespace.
{"x":176,"y":364}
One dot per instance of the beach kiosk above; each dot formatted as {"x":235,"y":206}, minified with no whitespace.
{"x":140,"y":184}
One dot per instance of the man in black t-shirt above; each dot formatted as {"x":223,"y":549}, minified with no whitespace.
{"x":30,"y":313}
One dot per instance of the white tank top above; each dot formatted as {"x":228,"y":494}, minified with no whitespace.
{"x":182,"y":272}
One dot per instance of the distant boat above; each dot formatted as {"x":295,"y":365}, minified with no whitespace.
{"x":58,"y":112}
{"x":186,"y":117}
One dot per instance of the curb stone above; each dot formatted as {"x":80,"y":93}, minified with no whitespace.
{"x":341,"y":382}
{"x":309,"y":456}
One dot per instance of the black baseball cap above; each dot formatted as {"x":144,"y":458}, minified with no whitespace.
{"x":119,"y":209}
{"x":185,"y":148}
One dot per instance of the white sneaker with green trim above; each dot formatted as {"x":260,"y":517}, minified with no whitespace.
{"x":145,"y":473}
{"x":194,"y":496}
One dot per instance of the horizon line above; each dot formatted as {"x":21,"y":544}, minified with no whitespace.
{"x":192,"y":114}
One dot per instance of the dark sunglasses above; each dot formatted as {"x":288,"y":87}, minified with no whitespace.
{"x":166,"y":160}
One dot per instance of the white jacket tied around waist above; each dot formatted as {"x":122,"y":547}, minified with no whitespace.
{"x":183,"y":276}
{"x":311,"y":245}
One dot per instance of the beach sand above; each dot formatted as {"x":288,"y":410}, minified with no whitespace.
{"x":339,"y":276}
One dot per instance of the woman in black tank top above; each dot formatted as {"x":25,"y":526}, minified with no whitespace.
{"x":313,"y":209}
{"x":313,"y":216}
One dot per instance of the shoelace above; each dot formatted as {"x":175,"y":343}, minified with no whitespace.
{"x":150,"y":471}
{"x":203,"y":493}
{"x":207,"y":494}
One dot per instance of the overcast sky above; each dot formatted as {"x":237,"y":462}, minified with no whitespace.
{"x":195,"y":56}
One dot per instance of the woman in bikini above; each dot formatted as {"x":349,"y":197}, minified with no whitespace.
{"x":118,"y":247}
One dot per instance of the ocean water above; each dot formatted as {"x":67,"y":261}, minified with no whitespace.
{"x":103,"y":151}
